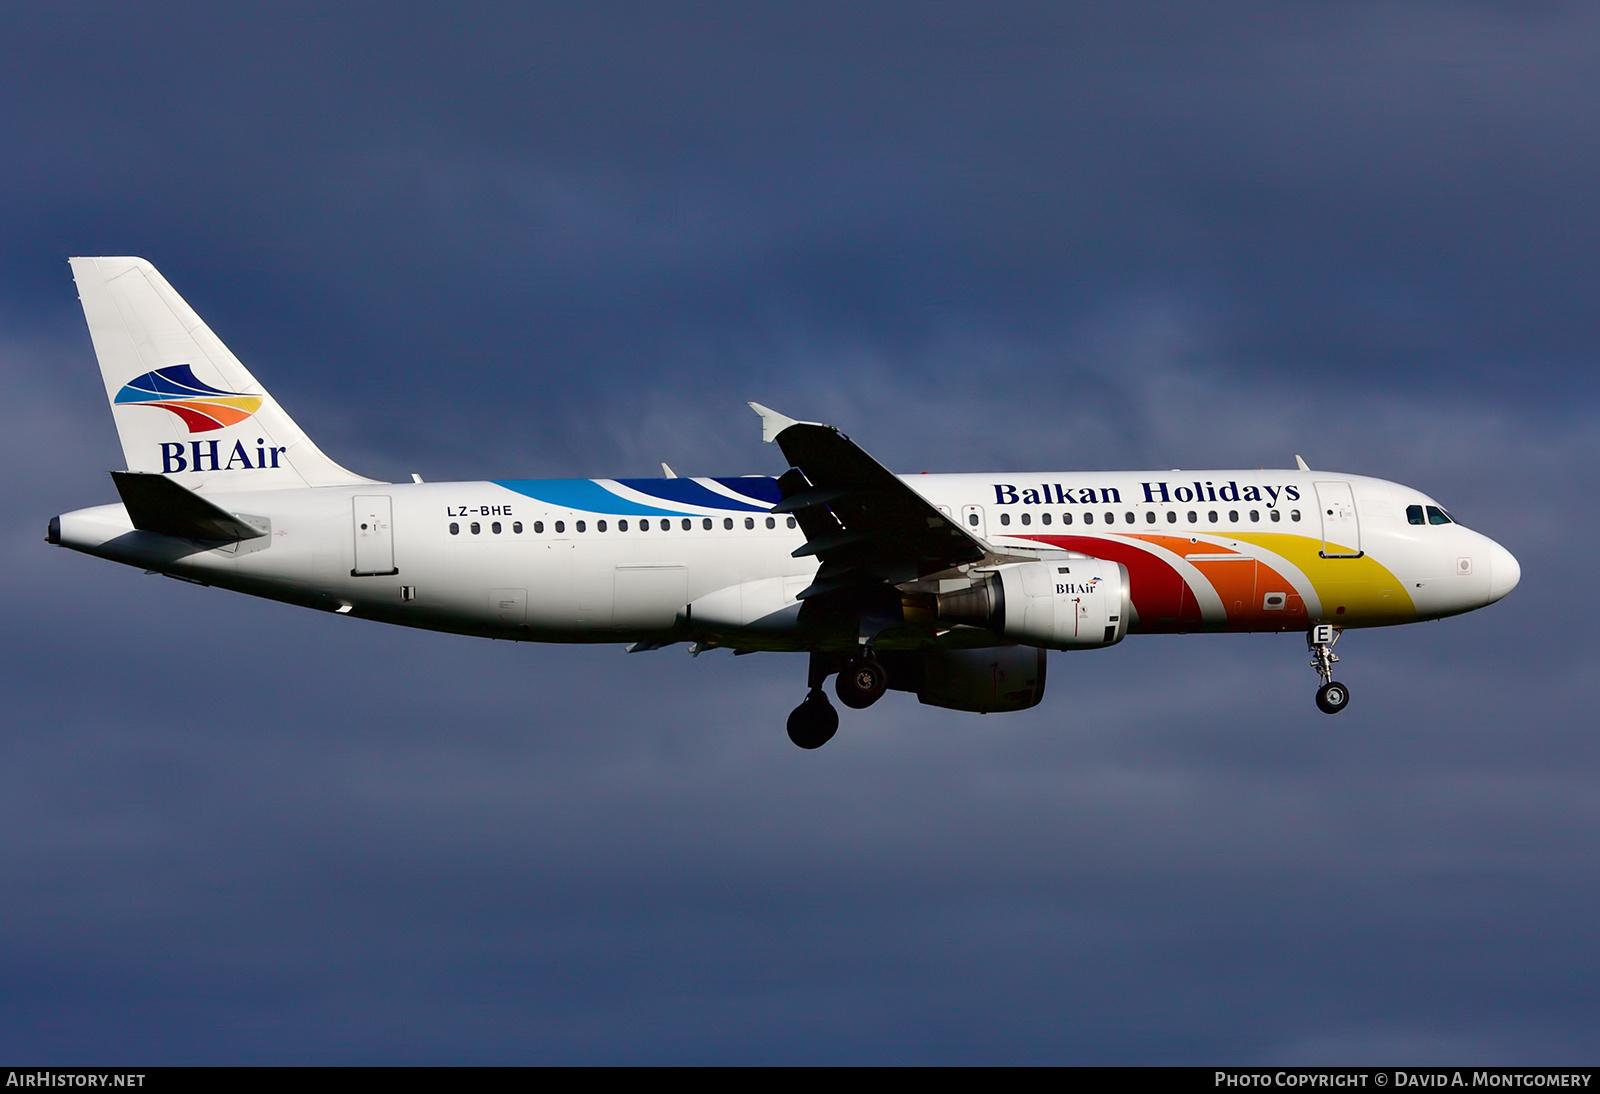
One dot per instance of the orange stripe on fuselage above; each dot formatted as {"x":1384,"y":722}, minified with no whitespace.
{"x":1161,"y":594}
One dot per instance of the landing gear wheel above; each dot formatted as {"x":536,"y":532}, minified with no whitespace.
{"x":813,"y":723}
{"x":1332,"y":697}
{"x":861,"y":683}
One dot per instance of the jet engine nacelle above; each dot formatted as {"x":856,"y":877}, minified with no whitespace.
{"x":982,"y":681}
{"x":1064,"y":604}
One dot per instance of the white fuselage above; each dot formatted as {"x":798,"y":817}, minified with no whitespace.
{"x":551,"y":561}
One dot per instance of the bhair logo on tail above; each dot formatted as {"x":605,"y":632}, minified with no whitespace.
{"x":201,"y":406}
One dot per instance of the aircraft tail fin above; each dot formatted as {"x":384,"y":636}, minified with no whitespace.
{"x":184,"y":405}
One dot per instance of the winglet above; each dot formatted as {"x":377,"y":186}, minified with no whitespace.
{"x":773,"y":423}
{"x":1300,"y":462}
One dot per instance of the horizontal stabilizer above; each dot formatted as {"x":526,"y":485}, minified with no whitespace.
{"x":157,"y":504}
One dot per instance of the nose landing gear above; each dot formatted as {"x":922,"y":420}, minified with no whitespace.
{"x":1332,"y":696}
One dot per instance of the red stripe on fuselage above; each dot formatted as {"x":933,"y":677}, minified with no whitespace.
{"x":1160,"y":595}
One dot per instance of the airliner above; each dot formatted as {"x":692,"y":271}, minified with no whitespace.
{"x":952,"y":587}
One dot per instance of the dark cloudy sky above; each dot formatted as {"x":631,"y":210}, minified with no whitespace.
{"x":572,"y":240}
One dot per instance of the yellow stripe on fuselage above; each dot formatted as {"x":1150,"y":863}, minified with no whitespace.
{"x":1370,"y":595}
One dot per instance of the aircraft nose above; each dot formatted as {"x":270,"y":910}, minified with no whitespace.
{"x":1504,"y":572}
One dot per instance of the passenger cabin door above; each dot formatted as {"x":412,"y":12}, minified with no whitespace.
{"x":374,"y":537}
{"x":1341,"y":528}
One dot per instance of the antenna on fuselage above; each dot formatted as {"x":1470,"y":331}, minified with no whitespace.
{"x":667,"y":471}
{"x":1299,"y":461}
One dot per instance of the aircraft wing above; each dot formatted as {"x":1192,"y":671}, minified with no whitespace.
{"x":863,"y":523}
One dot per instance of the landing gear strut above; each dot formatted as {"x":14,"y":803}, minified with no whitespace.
{"x":1332,"y":696}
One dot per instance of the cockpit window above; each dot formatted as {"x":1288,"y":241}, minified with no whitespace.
{"x":1438,"y":516}
{"x":1414,"y":514}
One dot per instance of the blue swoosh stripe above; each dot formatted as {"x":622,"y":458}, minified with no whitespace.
{"x":582,"y":494}
{"x":757,"y":487}
{"x":689,"y":492}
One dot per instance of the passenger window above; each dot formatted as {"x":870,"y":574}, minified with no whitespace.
{"x":1005,"y":519}
{"x":1233,"y":516}
{"x":1088,"y":518}
{"x":727,"y":522}
{"x":1172,"y":516}
{"x":705,"y":525}
{"x":516,"y":528}
{"x":581,"y":527}
{"x":1127,"y":518}
{"x":749,"y":522}
{"x":772,"y":522}
{"x":1276,"y":516}
{"x":1438,"y":516}
{"x":687,"y":524}
{"x":1212,"y":516}
{"x":1414,"y":514}
{"x":972,"y":519}
{"x":787,"y":524}
{"x":1255,"y":515}
{"x":1111,"y":518}
{"x":455,"y":529}
{"x":561,"y":526}
{"x":1193,"y":516}
{"x":1066,"y":518}
{"x":476,"y":527}
{"x":1044,"y":518}
{"x":1294,"y":514}
{"x":538,"y":527}
{"x":622,"y":526}
{"x":495,"y":528}
{"x":644,"y":525}
{"x":1027,"y":518}
{"x":666,"y":525}
{"x":1150,"y":517}
{"x":599,"y":526}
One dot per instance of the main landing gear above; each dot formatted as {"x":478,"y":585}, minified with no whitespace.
{"x":1332,"y":696}
{"x":814,"y":722}
{"x":862,"y":682}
